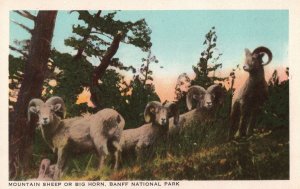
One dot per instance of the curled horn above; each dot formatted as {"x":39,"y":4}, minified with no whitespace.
{"x":173,"y":108}
{"x":193,"y":90}
{"x":264,"y":50}
{"x":58,"y":100}
{"x":217,"y":90}
{"x":148,"y":113}
{"x":34,"y":102}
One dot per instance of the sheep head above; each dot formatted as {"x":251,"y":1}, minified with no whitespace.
{"x":254,"y":61}
{"x":160,"y":113}
{"x":111,"y":126}
{"x":206,"y":99}
{"x":54,"y":106}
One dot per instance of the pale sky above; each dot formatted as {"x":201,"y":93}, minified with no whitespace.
{"x":177,"y":38}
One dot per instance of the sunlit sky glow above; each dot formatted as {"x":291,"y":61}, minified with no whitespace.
{"x":177,"y":38}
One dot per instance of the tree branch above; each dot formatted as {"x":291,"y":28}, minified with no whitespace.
{"x":100,"y":70}
{"x":26,"y":14}
{"x":106,"y":59}
{"x":23,"y":26}
{"x":100,"y":33}
{"x":19,"y":51}
{"x":86,"y":37}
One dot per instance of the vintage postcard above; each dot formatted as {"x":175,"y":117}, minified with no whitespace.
{"x":150,"y":95}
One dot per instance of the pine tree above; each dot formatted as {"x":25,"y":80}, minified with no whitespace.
{"x":204,"y":70}
{"x":143,"y":91}
{"x":208,"y":62}
{"x":100,"y":37}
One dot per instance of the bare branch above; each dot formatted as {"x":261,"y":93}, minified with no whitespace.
{"x":26,"y":14}
{"x":19,"y":51}
{"x":23,"y":26}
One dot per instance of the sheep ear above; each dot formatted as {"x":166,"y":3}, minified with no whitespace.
{"x":150,"y":110}
{"x":34,"y":109}
{"x":173,"y":108}
{"x":248,"y":53}
{"x":218,"y":92}
{"x":56,"y":107}
{"x":147,"y":118}
{"x":189,"y":103}
{"x":196,"y":97}
{"x":149,"y":114}
{"x":189,"y":100}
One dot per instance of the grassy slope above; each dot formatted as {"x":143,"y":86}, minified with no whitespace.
{"x":202,"y":153}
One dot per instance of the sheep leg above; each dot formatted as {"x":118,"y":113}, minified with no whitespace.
{"x":116,"y":154}
{"x":100,"y":143}
{"x":234,"y":118}
{"x":251,"y":124}
{"x":61,"y":159}
{"x":243,"y":126}
{"x":139,"y":150}
{"x":101,"y":160}
{"x":244,"y":120}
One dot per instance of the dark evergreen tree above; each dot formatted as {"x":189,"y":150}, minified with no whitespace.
{"x":99,"y":38}
{"x":204,"y":70}
{"x":142,"y":92}
{"x":276,"y":109}
{"x":208,"y":62}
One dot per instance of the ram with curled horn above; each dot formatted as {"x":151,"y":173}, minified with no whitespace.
{"x":202,"y":105}
{"x":78,"y":134}
{"x":247,"y":102}
{"x":157,"y":116}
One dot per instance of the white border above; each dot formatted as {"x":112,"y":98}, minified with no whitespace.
{"x":294,"y":61}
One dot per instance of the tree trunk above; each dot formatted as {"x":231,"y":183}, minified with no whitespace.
{"x":21,"y":134}
{"x":100,"y":70}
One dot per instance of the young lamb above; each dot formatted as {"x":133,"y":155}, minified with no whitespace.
{"x":75,"y":135}
{"x":207,"y":101}
{"x":46,"y":171}
{"x":247,"y":104}
{"x":158,"y":115}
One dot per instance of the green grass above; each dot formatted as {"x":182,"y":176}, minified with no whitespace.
{"x":201,"y":152}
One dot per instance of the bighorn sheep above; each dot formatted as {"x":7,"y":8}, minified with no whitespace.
{"x":77,"y":134}
{"x":206,"y":103}
{"x":252,"y":95}
{"x":158,"y":115}
{"x":46,"y":171}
